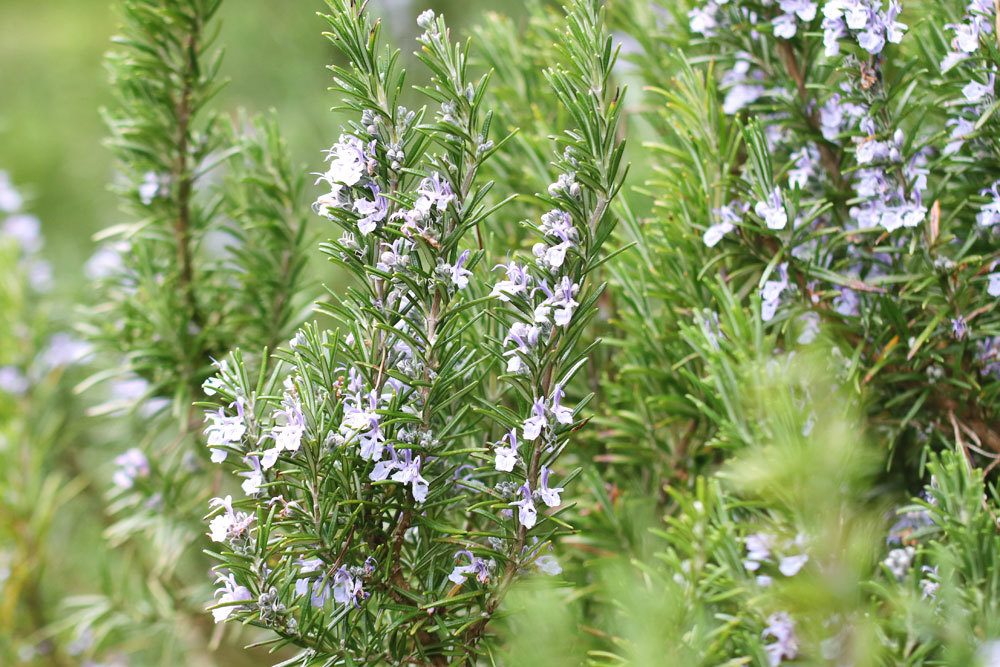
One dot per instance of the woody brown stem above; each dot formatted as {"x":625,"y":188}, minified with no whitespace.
{"x":828,"y":157}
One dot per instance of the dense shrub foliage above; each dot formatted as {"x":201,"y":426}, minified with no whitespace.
{"x":657,"y":333}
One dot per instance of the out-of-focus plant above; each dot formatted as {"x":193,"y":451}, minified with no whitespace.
{"x":771,"y":561}
{"x":39,"y":418}
{"x":210,"y":259}
{"x":396,"y":469}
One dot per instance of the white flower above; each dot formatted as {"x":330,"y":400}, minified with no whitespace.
{"x":230,"y":524}
{"x":976,"y":92}
{"x":526,"y":513}
{"x":409,"y":473}
{"x":562,"y":414}
{"x":347,"y":162}
{"x":715,"y":233}
{"x":534,"y":424}
{"x":790,"y":565}
{"x":506,"y":455}
{"x":549,"y":496}
{"x":224,"y":431}
{"x":229,"y":593}
{"x":772,"y":210}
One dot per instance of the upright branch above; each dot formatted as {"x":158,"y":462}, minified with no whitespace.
{"x":547,"y":305}
{"x":371,"y":529}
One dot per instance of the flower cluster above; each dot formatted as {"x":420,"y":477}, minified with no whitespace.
{"x":864,"y":21}
{"x":977,"y":23}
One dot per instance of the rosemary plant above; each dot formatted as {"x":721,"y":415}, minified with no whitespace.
{"x":395,"y":469}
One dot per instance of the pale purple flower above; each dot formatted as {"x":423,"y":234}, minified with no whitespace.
{"x":834,"y":30}
{"x":434,"y":194}
{"x":132,"y":465}
{"x":810,"y":328}
{"x":743,"y":84}
{"x":348,"y":163}
{"x":547,"y":564}
{"x":254,"y":477}
{"x":772,"y":210}
{"x":363,"y":422}
{"x":426,"y":19}
{"x":993,"y":288}
{"x":549,"y":496}
{"x":702,"y":20}
{"x":230,"y":524}
{"x":806,"y":161}
{"x":847,"y":303}
{"x":105,"y":262}
{"x":371,"y":211}
{"x":740,"y":96}
{"x":149,"y":188}
{"x":790,"y":565}
{"x":10,"y":198}
{"x":716,"y":232}
{"x":289,"y":427}
{"x":961,"y":129}
{"x":785,"y":646}
{"x":460,"y":275}
{"x":26,"y":230}
{"x":346,"y":588}
{"x":966,"y":38}
{"x":784,"y":26}
{"x":319,"y":590}
{"x":873,"y":40}
{"x":477,"y":566}
{"x":988,"y":654}
{"x":562,"y":414}
{"x":952,"y":59}
{"x":534,"y":424}
{"x":506,"y":455}
{"x":959,"y":328}
{"x":229,"y":593}
{"x":63,"y":350}
{"x":898,"y":561}
{"x":989,"y":213}
{"x":224,"y":431}
{"x":758,"y":550}
{"x":803,"y":9}
{"x":516,"y":283}
{"x":728,"y":217}
{"x":563,"y":301}
{"x":988,"y":356}
{"x":975,"y":91}
{"x":550,"y":258}
{"x":566,"y":184}
{"x":13,"y":381}
{"x":559,"y":224}
{"x":525,"y":337}
{"x":409,"y":473}
{"x":770,"y":293}
{"x":383,"y":469}
{"x":394,"y":256}
{"x":526,"y":513}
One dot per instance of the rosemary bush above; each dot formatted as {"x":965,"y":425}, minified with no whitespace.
{"x":739,"y":408}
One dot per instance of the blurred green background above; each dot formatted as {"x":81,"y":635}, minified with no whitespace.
{"x":53,"y":84}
